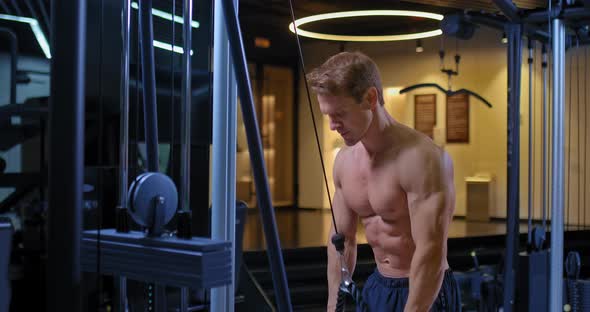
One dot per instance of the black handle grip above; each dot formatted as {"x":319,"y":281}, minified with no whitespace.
{"x":338,"y":241}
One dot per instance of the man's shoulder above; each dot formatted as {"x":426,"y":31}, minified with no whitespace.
{"x":341,"y":154}
{"x":422,"y":156}
{"x":410,"y":140}
{"x":341,"y":157}
{"x":421,"y":148}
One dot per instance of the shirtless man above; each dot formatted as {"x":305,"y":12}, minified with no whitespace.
{"x":397,"y":182}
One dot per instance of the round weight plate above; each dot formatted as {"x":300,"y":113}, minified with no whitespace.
{"x":147,"y":187}
{"x":132,"y":189}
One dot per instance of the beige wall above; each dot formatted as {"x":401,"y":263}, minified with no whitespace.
{"x":483,"y":70}
{"x":577,"y":137}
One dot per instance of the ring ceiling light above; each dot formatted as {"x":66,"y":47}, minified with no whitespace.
{"x":327,"y":16}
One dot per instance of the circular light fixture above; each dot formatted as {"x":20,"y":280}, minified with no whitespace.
{"x":335,"y":15}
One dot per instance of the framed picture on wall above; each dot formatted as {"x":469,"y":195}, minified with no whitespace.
{"x":425,"y":113}
{"x":458,"y":118}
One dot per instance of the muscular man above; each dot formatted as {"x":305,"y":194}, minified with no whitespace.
{"x":397,"y":182}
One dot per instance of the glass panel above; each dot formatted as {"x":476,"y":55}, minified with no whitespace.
{"x":277,"y":126}
{"x":272,"y":89}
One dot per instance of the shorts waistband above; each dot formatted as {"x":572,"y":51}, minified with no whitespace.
{"x":399,"y":282}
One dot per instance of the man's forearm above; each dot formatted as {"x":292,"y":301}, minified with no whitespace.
{"x":334,"y":273}
{"x":426,"y":276}
{"x":333,"y":278}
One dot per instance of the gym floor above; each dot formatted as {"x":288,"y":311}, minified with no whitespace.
{"x":310,"y":228}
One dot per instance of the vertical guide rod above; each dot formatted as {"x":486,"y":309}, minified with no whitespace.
{"x":545,"y":121}
{"x":514,"y":33}
{"x":150,"y":118}
{"x":185,"y":109}
{"x":531,"y":138}
{"x":275,"y":255}
{"x":223,"y":214}
{"x":66,"y":158}
{"x":185,"y":123}
{"x":558,"y":153}
{"x":124,"y":103}
{"x":121,"y":281}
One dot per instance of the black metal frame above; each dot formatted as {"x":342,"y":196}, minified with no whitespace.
{"x":509,"y":9}
{"x":257,"y":299}
{"x":563,"y":12}
{"x":517,"y":23}
{"x":279,"y":277}
{"x":514,"y":34}
{"x":6,"y":233}
{"x":66,"y":158}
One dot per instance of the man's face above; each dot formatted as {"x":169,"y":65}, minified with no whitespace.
{"x":348,"y":117}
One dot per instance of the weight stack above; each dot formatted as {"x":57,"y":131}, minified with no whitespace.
{"x":533,"y":281}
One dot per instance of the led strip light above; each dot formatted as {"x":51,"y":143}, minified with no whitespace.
{"x":167,"y":16}
{"x":41,"y":39}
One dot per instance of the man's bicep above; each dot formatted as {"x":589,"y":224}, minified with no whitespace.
{"x":429,"y":217}
{"x":346,"y":218}
{"x":430,"y":194}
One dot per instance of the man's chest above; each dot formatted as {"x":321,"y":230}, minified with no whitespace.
{"x":374,"y":191}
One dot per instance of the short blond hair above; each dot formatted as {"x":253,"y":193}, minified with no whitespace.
{"x":347,"y":74}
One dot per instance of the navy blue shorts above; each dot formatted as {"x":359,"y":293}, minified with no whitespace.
{"x":382,"y":294}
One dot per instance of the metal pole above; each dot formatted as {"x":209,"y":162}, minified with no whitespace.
{"x":223,"y":214}
{"x":557,"y":188}
{"x":514,"y":32}
{"x":184,"y":303}
{"x":66,"y":159}
{"x":508,"y":9}
{"x":13,"y":61}
{"x":13,"y":65}
{"x":544,"y":182}
{"x":531,"y":152}
{"x":257,"y":158}
{"x":498,"y":22}
{"x":124,"y":134}
{"x":124,"y":103}
{"x":122,"y":291}
{"x":185,"y":123}
{"x":149,"y":84}
{"x":150,"y":118}
{"x":568,"y":13}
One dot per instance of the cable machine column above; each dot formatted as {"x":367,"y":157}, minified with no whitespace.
{"x":121,"y":210}
{"x":66,"y":156}
{"x":558,"y":168}
{"x":514,"y":33}
{"x":223,"y":214}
